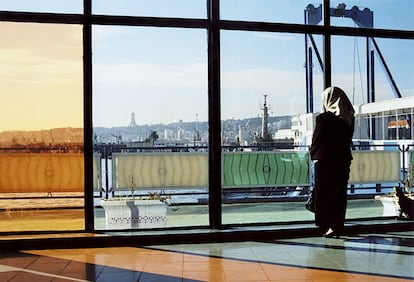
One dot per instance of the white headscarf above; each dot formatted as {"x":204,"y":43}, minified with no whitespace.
{"x":335,"y":101}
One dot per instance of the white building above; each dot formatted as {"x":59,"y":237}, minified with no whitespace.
{"x":302,"y":129}
{"x":383,"y":122}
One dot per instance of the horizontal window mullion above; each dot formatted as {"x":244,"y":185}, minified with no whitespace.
{"x":315,"y":29}
{"x":149,"y":21}
{"x":41,"y":17}
{"x":270,"y":27}
{"x":202,"y":23}
{"x":380,"y":33}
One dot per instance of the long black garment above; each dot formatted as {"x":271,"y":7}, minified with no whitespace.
{"x":331,"y":147}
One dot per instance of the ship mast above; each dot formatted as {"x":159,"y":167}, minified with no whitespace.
{"x":265,"y":131}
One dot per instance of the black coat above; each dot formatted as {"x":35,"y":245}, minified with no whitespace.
{"x":331,"y":147}
{"x":332,"y":139}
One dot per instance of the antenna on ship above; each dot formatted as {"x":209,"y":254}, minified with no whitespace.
{"x":265,"y":118}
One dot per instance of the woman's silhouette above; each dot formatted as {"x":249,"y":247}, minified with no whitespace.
{"x":331,"y":152}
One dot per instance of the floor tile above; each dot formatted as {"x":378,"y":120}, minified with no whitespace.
{"x":374,"y":257}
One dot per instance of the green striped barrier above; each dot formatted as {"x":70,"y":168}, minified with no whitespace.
{"x":242,"y":169}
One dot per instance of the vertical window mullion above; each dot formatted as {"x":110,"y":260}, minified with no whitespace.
{"x":87,"y":112}
{"x":327,"y":44}
{"x":214,"y":114}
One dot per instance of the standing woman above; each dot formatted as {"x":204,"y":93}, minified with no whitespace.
{"x":331,"y":152}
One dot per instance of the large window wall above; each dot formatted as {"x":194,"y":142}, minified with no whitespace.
{"x":176,"y":94}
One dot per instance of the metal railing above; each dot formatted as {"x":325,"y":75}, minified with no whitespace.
{"x":373,"y":171}
{"x":186,"y":168}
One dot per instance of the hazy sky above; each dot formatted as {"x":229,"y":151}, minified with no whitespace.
{"x":40,"y":76}
{"x":160,"y":74}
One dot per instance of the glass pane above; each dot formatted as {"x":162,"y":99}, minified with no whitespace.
{"x":152,"y":8}
{"x":410,"y":178}
{"x":46,"y":6}
{"x":41,"y":144}
{"x":385,"y":14}
{"x":284,"y":11}
{"x":314,"y":69}
{"x":150,"y":125}
{"x":393,"y":71}
{"x":263,"y":88}
{"x":371,"y":69}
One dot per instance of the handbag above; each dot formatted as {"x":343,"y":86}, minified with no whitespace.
{"x":310,"y":202}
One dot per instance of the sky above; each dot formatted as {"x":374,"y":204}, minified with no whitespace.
{"x":160,"y":74}
{"x":40,"y":76}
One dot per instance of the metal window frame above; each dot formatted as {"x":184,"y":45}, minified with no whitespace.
{"x":213,"y":25}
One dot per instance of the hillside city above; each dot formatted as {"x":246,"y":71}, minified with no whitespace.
{"x":178,"y":133}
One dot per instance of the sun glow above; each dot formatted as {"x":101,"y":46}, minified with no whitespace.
{"x":40,"y":76}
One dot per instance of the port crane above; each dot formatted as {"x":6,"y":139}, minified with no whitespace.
{"x":363,"y":19}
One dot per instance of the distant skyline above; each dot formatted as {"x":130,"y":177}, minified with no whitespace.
{"x":160,"y":74}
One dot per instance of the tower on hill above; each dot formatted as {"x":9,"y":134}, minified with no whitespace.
{"x":133,"y":123}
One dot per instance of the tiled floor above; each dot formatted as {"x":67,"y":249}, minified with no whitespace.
{"x":372,"y":257}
